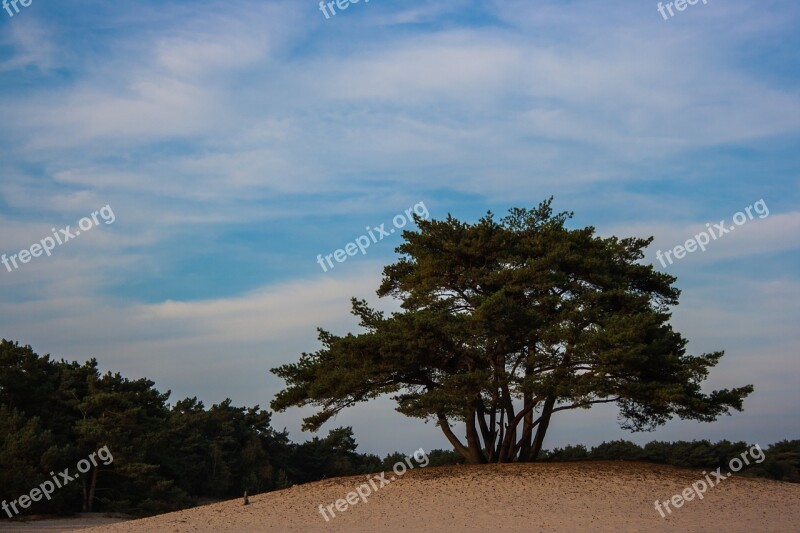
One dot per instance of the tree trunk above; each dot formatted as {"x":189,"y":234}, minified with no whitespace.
{"x":493,"y":425}
{"x":501,"y":437}
{"x":445,"y":425}
{"x":507,"y":450}
{"x":508,"y":444}
{"x":527,"y":424}
{"x":486,"y":433}
{"x":92,"y":488}
{"x":527,"y":430}
{"x":547,"y":411}
{"x":473,"y":440}
{"x":84,"y":504}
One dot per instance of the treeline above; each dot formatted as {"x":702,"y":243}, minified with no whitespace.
{"x":781,"y":459}
{"x":54,"y":414}
{"x":165,"y":457}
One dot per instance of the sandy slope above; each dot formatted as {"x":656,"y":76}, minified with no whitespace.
{"x":80,"y":521}
{"x":595,"y":496}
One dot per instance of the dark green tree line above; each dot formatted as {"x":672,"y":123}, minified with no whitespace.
{"x":55,"y":413}
{"x":781,"y":460}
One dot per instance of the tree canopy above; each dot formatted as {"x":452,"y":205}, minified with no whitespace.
{"x":506,"y":323}
{"x":56,"y":413}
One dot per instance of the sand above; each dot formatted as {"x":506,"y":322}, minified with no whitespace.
{"x":80,"y":521}
{"x":581,"y":496}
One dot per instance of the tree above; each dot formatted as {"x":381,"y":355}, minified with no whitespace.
{"x":782,"y":462}
{"x":125,"y":415}
{"x":333,"y":456}
{"x":505,"y":324}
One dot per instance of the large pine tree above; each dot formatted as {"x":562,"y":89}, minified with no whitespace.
{"x":505,"y":324}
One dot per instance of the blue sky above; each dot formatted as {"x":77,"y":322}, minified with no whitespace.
{"x":237,"y":140}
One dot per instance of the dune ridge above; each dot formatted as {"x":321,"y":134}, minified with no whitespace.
{"x":577,"y":496}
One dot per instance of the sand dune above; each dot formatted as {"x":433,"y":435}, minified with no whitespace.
{"x":586,"y":496}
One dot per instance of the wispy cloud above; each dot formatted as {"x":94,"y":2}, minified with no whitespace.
{"x":235,"y":140}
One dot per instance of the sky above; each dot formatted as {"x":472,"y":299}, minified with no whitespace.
{"x":236,"y":141}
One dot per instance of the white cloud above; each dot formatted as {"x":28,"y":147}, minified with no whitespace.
{"x":759,"y":236}
{"x":193,"y":346}
{"x":31,"y":43}
{"x":215,"y":116}
{"x":500,"y":112}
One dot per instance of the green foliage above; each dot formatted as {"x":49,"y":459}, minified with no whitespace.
{"x":567,"y":453}
{"x":436,"y":457}
{"x":616,"y":449}
{"x":55,"y":413}
{"x":781,"y":459}
{"x":26,"y":450}
{"x":333,"y":456}
{"x":444,"y":458}
{"x":505,"y":324}
{"x":782,"y":462}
